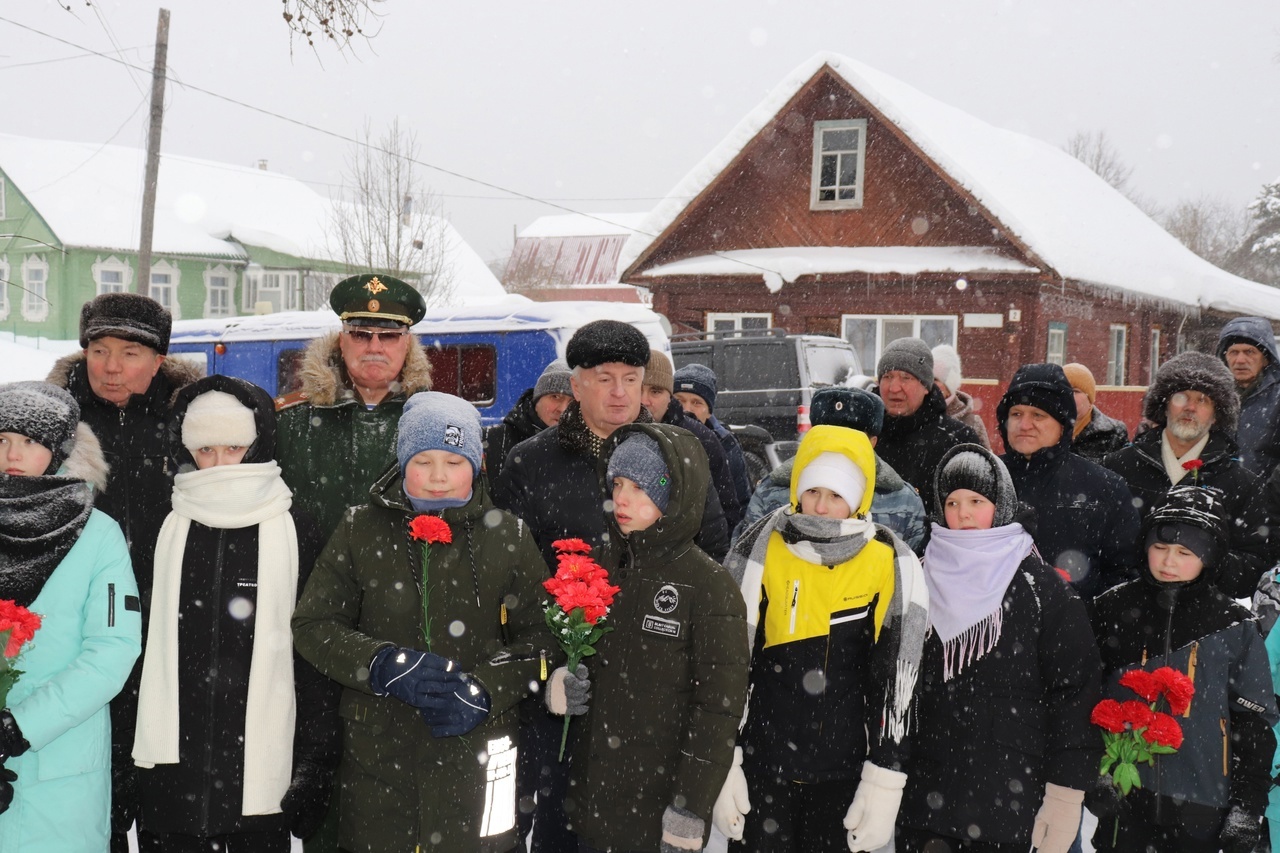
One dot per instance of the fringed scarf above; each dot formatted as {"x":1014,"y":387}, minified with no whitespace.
{"x":968,"y":572}
{"x":230,"y":497}
{"x":830,"y":542}
{"x":40,"y":520}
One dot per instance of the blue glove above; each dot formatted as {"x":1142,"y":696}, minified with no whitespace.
{"x":413,"y":676}
{"x":458,"y":712}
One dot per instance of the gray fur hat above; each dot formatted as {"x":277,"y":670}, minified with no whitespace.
{"x":1194,"y":371}
{"x":436,"y":421}
{"x":128,"y":316}
{"x":910,"y":355}
{"x":973,"y":467}
{"x":43,"y":412}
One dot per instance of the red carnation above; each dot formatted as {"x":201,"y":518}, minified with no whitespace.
{"x":1193,"y":464}
{"x":576,"y":546}
{"x":1177,"y":688}
{"x":21,"y":624}
{"x":1164,"y":731}
{"x":1144,"y":683}
{"x":430,"y":529}
{"x":1108,"y":715}
{"x":1137,"y":715}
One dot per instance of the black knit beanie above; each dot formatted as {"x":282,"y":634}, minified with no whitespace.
{"x":973,"y":467}
{"x":1045,"y":387}
{"x":1190,"y":516}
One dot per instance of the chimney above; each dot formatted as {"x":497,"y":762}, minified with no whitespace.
{"x":262,"y":165}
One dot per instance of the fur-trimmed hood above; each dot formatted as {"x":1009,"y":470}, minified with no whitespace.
{"x":177,"y":371}
{"x":325,"y":381}
{"x":1194,"y":371}
{"x":87,"y":461}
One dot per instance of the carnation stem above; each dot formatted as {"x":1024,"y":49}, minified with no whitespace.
{"x":571,"y":666}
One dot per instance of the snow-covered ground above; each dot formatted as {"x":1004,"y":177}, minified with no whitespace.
{"x":30,"y":358}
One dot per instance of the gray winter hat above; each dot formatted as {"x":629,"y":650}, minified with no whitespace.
{"x":436,"y":421}
{"x":639,"y":459}
{"x":554,"y":380}
{"x":973,"y":467}
{"x":1194,"y":371}
{"x":910,"y":355}
{"x":43,"y":412}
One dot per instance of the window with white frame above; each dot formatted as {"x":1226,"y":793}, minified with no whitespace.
{"x":276,"y":287}
{"x":1117,"y":353}
{"x":839,"y":154}
{"x":219,"y":282}
{"x":1155,"y":353}
{"x":316,"y":287}
{"x":4,"y":287}
{"x":723,"y":324}
{"x":164,"y":286}
{"x":1057,"y":350}
{"x":111,"y":275}
{"x":35,"y":282}
{"x":871,"y":333}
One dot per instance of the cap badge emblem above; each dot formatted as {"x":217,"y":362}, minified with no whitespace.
{"x":374,"y":305}
{"x":374,"y":286}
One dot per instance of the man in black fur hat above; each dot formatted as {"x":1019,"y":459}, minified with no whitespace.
{"x":1193,"y":399}
{"x":123,"y":381}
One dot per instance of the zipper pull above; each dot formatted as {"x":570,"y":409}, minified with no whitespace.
{"x":542,"y":672}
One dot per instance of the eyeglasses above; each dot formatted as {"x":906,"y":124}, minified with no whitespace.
{"x":361,"y":336}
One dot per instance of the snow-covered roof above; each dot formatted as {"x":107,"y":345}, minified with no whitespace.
{"x":1081,"y":227}
{"x":584,"y":225}
{"x":784,"y":265}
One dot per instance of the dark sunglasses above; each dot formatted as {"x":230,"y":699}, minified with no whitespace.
{"x":361,"y":336}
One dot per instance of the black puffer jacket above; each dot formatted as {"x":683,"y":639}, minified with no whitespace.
{"x":550,"y":482}
{"x":985,"y":743}
{"x":1250,"y":552}
{"x":518,"y":424}
{"x":201,"y":795}
{"x":1259,"y":431}
{"x":1102,"y":435}
{"x":914,"y":444}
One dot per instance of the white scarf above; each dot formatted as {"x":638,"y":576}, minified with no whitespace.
{"x":1173,"y":462}
{"x":968,"y":572}
{"x":228,"y":497}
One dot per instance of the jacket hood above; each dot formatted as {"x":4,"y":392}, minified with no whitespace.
{"x":523,"y":416}
{"x":253,"y":398}
{"x":1249,"y":330}
{"x":1194,"y":371}
{"x":847,"y":442}
{"x":690,"y":478}
{"x":325,"y":381}
{"x":70,"y":372}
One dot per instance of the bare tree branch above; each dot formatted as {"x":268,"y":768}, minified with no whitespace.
{"x":338,"y":21}
{"x":1095,"y":150}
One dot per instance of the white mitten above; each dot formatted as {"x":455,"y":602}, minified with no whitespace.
{"x":874,"y":809}
{"x":1058,"y":820}
{"x":730,"y":812}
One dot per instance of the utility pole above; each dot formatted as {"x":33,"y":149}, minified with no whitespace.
{"x":158,"y":70}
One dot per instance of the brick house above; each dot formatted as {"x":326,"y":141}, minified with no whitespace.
{"x":850,"y":204}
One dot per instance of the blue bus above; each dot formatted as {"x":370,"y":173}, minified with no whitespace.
{"x":485,"y":354}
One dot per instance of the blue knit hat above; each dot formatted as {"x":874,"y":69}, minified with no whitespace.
{"x":436,"y":421}
{"x":697,"y":379}
{"x":639,"y":459}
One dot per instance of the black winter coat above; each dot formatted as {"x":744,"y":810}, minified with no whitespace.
{"x":1259,"y":431}
{"x":984,"y":744}
{"x":914,"y":444}
{"x":1250,"y":552}
{"x":1100,"y":436}
{"x":551,"y":483}
{"x":1086,"y":522}
{"x":518,"y":424}
{"x":722,"y":479}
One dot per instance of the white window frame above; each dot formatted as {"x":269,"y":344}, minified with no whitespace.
{"x":175,"y":279}
{"x":4,"y":288}
{"x":35,"y":297}
{"x":1117,"y":353}
{"x":1056,"y":346}
{"x":282,"y":283}
{"x":228,"y":306}
{"x":1157,"y":335}
{"x":316,"y":287}
{"x":111,"y":264}
{"x":736,"y":319}
{"x":815,"y":178}
{"x":880,"y":319}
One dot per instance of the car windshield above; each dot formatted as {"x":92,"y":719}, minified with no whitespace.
{"x":830,"y":365}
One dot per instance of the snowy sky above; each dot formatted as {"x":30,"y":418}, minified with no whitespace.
{"x":604,"y":106}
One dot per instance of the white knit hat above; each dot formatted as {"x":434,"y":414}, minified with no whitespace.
{"x":217,"y":418}
{"x":946,"y":367}
{"x":837,"y":472}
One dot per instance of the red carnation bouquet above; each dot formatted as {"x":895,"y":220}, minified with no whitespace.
{"x":582,"y":597}
{"x":1134,"y":731}
{"x":17,"y":626}
{"x":428,"y":529}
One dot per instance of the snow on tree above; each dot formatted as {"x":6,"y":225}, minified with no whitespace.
{"x":1262,"y":246}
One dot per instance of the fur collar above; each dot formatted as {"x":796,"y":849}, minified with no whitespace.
{"x":86,"y":461}
{"x":325,"y":381}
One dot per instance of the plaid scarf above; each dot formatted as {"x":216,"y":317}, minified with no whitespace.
{"x":896,"y":655}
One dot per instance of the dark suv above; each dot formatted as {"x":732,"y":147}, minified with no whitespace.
{"x":766,"y":378}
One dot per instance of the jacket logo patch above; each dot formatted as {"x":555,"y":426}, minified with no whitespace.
{"x":1252,"y":706}
{"x":665,"y":627}
{"x":132,"y":602}
{"x":453,"y":435}
{"x":667,"y":599}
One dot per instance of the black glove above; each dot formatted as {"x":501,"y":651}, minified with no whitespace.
{"x":1240,"y":831}
{"x":413,"y":676}
{"x":7,"y":778}
{"x":124,"y":791}
{"x":11,"y":740}
{"x":1103,"y":798}
{"x":306,"y":801}
{"x":458,"y":712}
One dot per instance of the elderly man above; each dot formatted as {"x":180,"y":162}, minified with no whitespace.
{"x":1248,"y":347}
{"x":539,"y":407}
{"x":917,"y":431}
{"x":1086,"y":525}
{"x":338,"y":433}
{"x":123,"y":381}
{"x":659,"y":399}
{"x":894,"y":504}
{"x":1193,"y":400}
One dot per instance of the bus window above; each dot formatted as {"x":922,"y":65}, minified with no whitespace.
{"x":288,"y":370}
{"x":469,"y":371}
